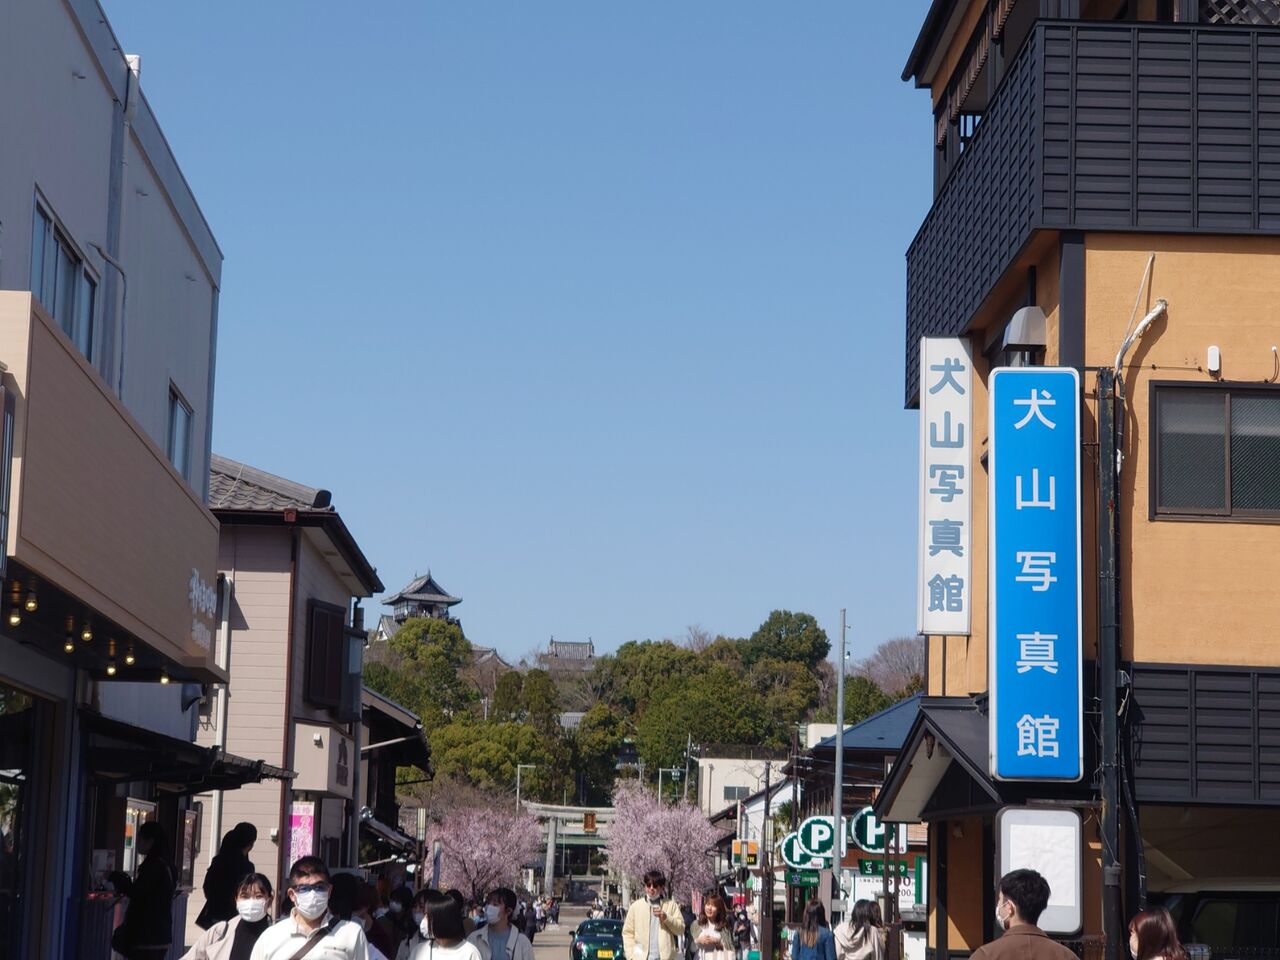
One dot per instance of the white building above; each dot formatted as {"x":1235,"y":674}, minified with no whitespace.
{"x":729,"y":774}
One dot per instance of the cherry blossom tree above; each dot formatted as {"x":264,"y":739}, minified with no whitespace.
{"x":646,"y":835}
{"x":483,"y":848}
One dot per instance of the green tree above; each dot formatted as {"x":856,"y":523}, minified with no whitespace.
{"x":789,"y":690}
{"x":596,"y":743}
{"x":506,"y":696}
{"x":629,"y":679}
{"x":423,"y":670}
{"x":486,"y":754}
{"x":787,"y":636}
{"x":862,"y":699}
{"x":715,"y":707}
{"x":541,"y":701}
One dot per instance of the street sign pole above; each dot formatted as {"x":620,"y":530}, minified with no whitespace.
{"x":837,"y":792}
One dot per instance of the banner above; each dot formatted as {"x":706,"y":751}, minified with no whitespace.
{"x":946,"y":456}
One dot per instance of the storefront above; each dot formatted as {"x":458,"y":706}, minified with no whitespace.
{"x":108,"y":612}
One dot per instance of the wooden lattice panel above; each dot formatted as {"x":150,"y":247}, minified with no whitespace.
{"x":1259,"y":13}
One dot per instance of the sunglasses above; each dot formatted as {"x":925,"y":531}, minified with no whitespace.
{"x":311,"y":887}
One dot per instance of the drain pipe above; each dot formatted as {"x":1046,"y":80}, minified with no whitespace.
{"x":1111,"y":414}
{"x":221,"y":697}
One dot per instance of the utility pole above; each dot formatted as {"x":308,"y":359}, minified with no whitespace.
{"x":688,"y":749}
{"x":766,"y":869}
{"x":520,"y":767}
{"x":837,"y":799}
{"x":1108,"y":647}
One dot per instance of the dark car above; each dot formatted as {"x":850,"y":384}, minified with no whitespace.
{"x":597,"y":940}
{"x":1226,"y":920}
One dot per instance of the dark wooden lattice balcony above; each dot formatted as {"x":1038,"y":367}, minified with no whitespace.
{"x":1104,"y":126}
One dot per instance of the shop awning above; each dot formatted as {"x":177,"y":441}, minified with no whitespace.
{"x":120,"y":752}
{"x":376,"y":830}
{"x":942,"y":769}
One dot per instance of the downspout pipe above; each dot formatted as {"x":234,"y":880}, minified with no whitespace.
{"x":1111,"y":416}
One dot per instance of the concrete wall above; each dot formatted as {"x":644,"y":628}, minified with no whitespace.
{"x":716,"y":773}
{"x":64,"y":136}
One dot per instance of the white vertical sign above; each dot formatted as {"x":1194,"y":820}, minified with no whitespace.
{"x":946,"y":520}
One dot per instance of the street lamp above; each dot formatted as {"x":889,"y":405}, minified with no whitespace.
{"x":519,"y":767}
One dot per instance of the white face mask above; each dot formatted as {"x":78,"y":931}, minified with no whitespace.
{"x":312,"y":903}
{"x":1002,"y":923}
{"x":252,"y":910}
{"x":395,"y":906}
{"x":492,"y":913}
{"x":424,"y":928}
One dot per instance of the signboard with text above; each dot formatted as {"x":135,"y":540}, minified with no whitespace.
{"x":1036,"y":707}
{"x":946,"y":456}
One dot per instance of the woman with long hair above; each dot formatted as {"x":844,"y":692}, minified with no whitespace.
{"x":860,"y":936}
{"x":234,"y":939}
{"x":814,"y":940}
{"x":443,"y":936}
{"x":711,"y":932}
{"x":1154,"y":936}
{"x":147,"y":928}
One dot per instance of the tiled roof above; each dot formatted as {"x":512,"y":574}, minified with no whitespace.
{"x":884,"y":731}
{"x":425,"y":590}
{"x":237,"y":486}
{"x":571,"y":649}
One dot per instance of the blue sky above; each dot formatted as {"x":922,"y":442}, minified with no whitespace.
{"x":594,"y":308}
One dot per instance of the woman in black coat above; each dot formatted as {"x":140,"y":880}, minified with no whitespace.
{"x":227,"y":869}
{"x":147,"y":929}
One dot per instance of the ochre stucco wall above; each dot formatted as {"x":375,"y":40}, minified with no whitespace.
{"x":1193,"y":591}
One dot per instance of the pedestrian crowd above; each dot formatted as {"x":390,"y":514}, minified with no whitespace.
{"x":342,"y":917}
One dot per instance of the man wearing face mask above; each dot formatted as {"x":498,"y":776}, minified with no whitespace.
{"x":652,"y":925}
{"x":310,"y":930}
{"x":498,"y":939}
{"x":1022,"y":897}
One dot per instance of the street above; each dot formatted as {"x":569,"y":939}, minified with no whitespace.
{"x":553,"y":942}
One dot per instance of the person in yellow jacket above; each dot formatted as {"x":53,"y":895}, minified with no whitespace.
{"x":652,"y":925}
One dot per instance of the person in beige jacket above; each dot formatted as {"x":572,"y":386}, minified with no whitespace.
{"x":228,"y":939}
{"x":652,"y":925}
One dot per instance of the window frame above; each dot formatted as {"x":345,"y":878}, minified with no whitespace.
{"x":176,"y":399}
{"x":323,"y":670}
{"x":1227,"y":514}
{"x":741,"y":792}
{"x":87,"y":279}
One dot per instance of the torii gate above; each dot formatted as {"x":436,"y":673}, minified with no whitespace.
{"x":561,"y":823}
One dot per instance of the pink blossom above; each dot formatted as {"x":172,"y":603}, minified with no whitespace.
{"x":674,"y":838}
{"x":483,"y":848}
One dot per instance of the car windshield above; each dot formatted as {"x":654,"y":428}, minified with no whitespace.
{"x":600,"y":928}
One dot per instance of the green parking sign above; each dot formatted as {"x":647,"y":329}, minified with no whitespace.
{"x":818,"y":836}
{"x":868,"y":832}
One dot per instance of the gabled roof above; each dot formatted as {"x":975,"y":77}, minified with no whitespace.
{"x":237,"y":486}
{"x":241,"y":494}
{"x":387,"y":625}
{"x":481,"y":655}
{"x":883,"y":732}
{"x":424,"y":590}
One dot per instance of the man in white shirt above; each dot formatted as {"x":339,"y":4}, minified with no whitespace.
{"x":310,"y":924}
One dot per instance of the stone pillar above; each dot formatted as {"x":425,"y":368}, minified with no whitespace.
{"x":549,"y":870}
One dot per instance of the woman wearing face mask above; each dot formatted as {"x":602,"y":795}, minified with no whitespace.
{"x":1154,"y":936}
{"x":234,"y":939}
{"x":419,"y":930}
{"x":711,"y":932}
{"x":444,"y":937}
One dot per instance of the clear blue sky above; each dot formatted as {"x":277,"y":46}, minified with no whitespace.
{"x":594,"y":308}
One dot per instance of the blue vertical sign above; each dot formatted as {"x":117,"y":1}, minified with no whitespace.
{"x":1037,"y":697}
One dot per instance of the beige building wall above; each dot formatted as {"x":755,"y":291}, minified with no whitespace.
{"x":257,"y":561}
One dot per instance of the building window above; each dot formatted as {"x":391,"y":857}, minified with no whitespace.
{"x":734,"y":794}
{"x":335,"y":661}
{"x":179,"y":446}
{"x":1217,"y":452}
{"x":61,"y":282}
